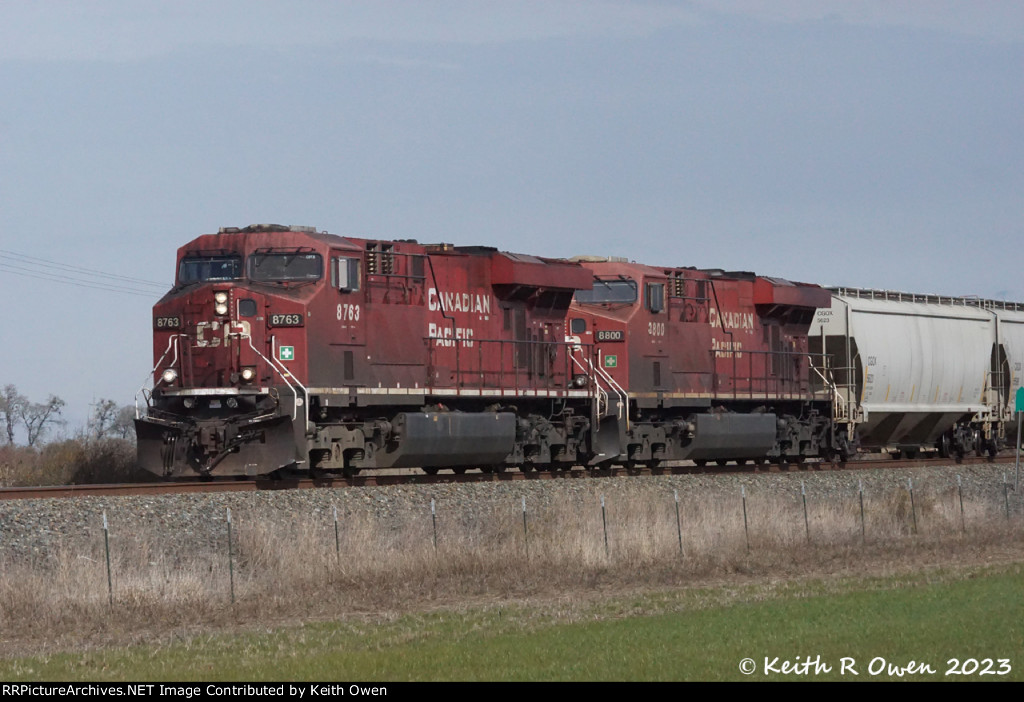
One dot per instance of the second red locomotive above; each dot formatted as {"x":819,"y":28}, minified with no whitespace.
{"x":283,"y":347}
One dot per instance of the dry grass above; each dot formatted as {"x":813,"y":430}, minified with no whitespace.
{"x":75,"y":461}
{"x":286,"y":568}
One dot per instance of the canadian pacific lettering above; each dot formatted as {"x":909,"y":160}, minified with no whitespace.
{"x":446,"y":336}
{"x":732,"y":320}
{"x":458,"y":302}
{"x":727,"y":349}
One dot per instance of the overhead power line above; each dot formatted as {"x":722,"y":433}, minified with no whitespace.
{"x":37,"y":268}
{"x":24,"y":273}
{"x":35,"y":261}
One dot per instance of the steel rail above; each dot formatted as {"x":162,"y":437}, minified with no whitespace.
{"x":369,"y":480}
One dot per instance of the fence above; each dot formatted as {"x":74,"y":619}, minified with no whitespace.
{"x":255,"y":554}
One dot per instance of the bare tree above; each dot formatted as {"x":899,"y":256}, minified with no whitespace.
{"x":124,"y":423}
{"x":109,"y":420}
{"x":12,"y":404}
{"x":104,"y":414}
{"x":37,"y":418}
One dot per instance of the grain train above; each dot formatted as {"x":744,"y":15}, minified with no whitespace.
{"x":285,"y":348}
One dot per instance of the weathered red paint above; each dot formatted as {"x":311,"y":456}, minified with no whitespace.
{"x":399,"y":352}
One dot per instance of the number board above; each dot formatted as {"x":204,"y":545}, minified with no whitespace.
{"x":609,"y":335}
{"x":167,"y":322}
{"x":286,"y":320}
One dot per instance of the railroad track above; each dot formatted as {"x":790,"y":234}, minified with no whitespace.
{"x":292,"y":483}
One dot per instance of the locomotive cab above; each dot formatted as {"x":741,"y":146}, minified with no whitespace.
{"x":230,"y":346}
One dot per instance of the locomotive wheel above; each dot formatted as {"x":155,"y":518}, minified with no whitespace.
{"x":700,"y":462}
{"x":431,"y":470}
{"x":721,"y":461}
{"x":459,"y":470}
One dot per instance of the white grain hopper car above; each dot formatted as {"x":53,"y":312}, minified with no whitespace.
{"x":912,"y":372}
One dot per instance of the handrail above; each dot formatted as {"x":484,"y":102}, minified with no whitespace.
{"x":172,"y":341}
{"x":284,"y":373}
{"x":590,"y":376}
{"x":618,"y":389}
{"x":785,"y":380}
{"x":472,"y":365}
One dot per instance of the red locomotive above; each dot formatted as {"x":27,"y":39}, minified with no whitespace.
{"x":283,"y":347}
{"x":703,"y":364}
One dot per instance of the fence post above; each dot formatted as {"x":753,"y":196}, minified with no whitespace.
{"x":337,"y":539}
{"x":604,"y":524}
{"x":231,"y":562}
{"x":679,"y":526}
{"x":746,"y":530}
{"x":960,"y":492}
{"x":1006,"y":496}
{"x":526,"y":536}
{"x":106,"y":546}
{"x":807,"y":524}
{"x":913,"y":509}
{"x":860,"y":490}
{"x":433,"y":521}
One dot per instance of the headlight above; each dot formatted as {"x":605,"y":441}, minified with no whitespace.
{"x":169,"y":376}
{"x":248,"y":374}
{"x":220,"y":298}
{"x":221,"y":308}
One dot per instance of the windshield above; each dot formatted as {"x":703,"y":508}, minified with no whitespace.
{"x":198,"y":269}
{"x":273,"y":267}
{"x":608,"y":291}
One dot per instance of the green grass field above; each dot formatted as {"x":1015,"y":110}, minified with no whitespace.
{"x":669,"y":635}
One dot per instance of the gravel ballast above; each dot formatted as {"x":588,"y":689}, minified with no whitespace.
{"x":187,"y":523}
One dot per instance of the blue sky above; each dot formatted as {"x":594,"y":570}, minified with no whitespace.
{"x":873,"y":144}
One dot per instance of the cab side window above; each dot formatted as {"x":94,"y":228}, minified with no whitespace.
{"x":655,"y":297}
{"x":345,"y":274}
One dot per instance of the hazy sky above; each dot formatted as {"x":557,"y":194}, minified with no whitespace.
{"x":873,"y":143}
